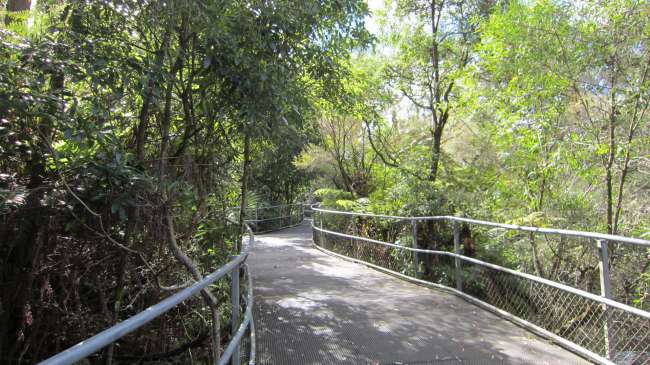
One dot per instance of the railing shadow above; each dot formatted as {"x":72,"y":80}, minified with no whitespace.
{"x":315,"y":309}
{"x":595,"y":326}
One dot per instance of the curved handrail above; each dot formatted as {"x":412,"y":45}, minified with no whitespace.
{"x":281,"y":219}
{"x":615,"y":315}
{"x":561,"y":232}
{"x":97,"y":342}
{"x":246,"y":323}
{"x":582,"y":293}
{"x":270,"y":206}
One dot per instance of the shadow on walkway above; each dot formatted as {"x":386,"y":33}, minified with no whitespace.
{"x":312,"y":308}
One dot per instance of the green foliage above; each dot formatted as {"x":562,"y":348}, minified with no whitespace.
{"x":122,"y":129}
{"x":123,"y":126}
{"x":330,"y":195}
{"x":642,"y":291}
{"x":532,"y":131}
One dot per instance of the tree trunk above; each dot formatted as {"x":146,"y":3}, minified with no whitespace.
{"x":436,"y":150}
{"x":168,"y":219}
{"x":246,"y":171}
{"x":608,"y":178}
{"x":16,"y":5}
{"x":537,"y":264}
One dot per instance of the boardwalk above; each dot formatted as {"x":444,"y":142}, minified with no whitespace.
{"x":312,"y":308}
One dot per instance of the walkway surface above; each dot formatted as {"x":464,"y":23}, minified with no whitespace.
{"x":313,"y":308}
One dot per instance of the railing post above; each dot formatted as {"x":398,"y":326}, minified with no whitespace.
{"x":605,"y":291}
{"x":257,"y":214}
{"x":457,"y":263}
{"x":282,"y":215}
{"x":416,"y":256}
{"x":354,"y":232}
{"x":320,"y":241}
{"x":287,"y":213}
{"x":234,"y":299}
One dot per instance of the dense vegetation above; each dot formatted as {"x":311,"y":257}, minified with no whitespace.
{"x":129,"y":130}
{"x":532,"y":113}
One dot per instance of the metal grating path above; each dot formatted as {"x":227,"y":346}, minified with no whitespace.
{"x":312,"y":308}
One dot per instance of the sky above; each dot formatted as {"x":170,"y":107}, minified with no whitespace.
{"x":371,"y":21}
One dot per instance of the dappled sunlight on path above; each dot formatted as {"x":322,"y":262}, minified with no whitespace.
{"x":312,"y":308}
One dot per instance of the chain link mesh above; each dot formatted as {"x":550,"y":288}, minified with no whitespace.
{"x":267,"y":219}
{"x":613,"y":333}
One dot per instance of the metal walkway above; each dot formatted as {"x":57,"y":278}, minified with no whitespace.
{"x":312,"y":308}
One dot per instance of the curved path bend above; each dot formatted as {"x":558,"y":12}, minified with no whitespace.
{"x":313,"y":308}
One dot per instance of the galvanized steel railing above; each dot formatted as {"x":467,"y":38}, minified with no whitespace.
{"x":231,"y":354}
{"x":274,"y":217}
{"x":595,"y":326}
{"x":307,"y":211}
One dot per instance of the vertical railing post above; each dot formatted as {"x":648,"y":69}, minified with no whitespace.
{"x":320,"y":241}
{"x":313,"y":231}
{"x":416,"y":256}
{"x":283,"y":215}
{"x":605,"y":291}
{"x":354,"y":233}
{"x":457,"y":263}
{"x":257,"y":214}
{"x":234,"y":299}
{"x":287,"y":213}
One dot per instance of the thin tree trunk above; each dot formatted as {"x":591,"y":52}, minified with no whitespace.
{"x":172,"y":244}
{"x":119,"y":295}
{"x":244,"y":184}
{"x":435,"y":154}
{"x":535,"y":253}
{"x":14,"y":6}
{"x":608,"y":179}
{"x":558,"y":259}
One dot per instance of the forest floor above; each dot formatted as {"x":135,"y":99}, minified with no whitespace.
{"x":313,"y":308}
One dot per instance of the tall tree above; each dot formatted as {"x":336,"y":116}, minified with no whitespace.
{"x":597,"y":88}
{"x":123,"y":133}
{"x":16,"y":6}
{"x":433,"y":40}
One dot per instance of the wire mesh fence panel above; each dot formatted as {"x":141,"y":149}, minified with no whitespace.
{"x":610,"y":332}
{"x":182,"y":335}
{"x":630,"y":274}
{"x":387,"y":230}
{"x":272,"y":218}
{"x":571,"y":261}
{"x":550,"y":281}
{"x":245,"y":348}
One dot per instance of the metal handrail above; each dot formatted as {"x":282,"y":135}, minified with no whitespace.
{"x":97,"y":342}
{"x":604,"y":300}
{"x":582,"y":293}
{"x":270,"y":206}
{"x":270,"y":219}
{"x":232,"y":347}
{"x":561,"y":232}
{"x":255,"y":220}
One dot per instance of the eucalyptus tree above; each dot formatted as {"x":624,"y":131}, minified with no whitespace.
{"x":433,"y":41}
{"x":570,"y":128}
{"x":590,"y":100}
{"x":343,"y":151}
